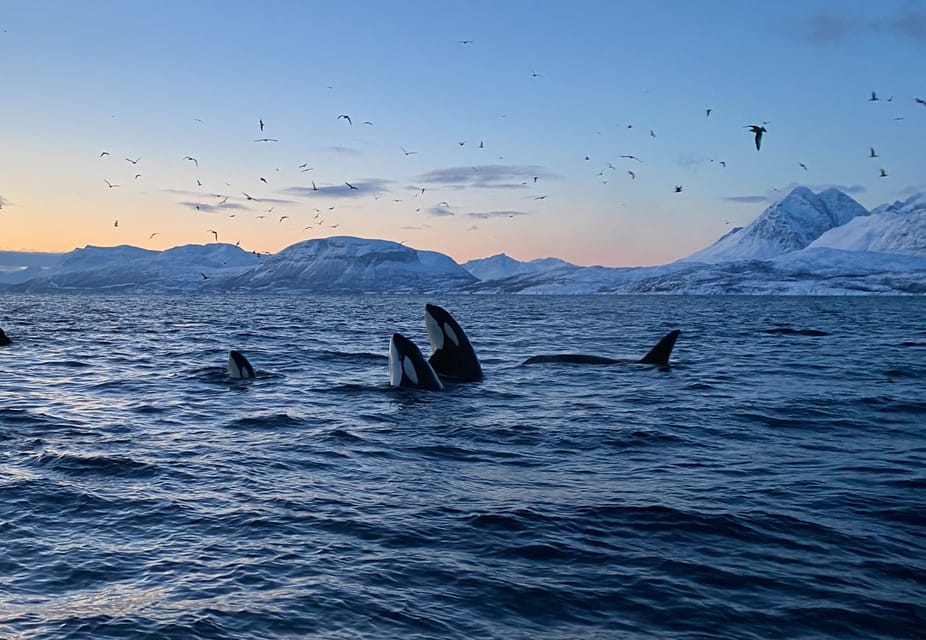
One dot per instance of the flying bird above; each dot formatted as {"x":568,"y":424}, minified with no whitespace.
{"x":352,"y":186}
{"x":154,"y":234}
{"x":264,"y":180}
{"x":368,"y":123}
{"x":282,"y":218}
{"x":192,"y":159}
{"x":205,"y":277}
{"x":408,"y":153}
{"x":920,"y":101}
{"x":116,"y":223}
{"x":652,"y":134}
{"x":678,"y":188}
{"x":346,"y":117}
{"x":758,"y":130}
{"x":247,"y":197}
{"x":314,"y":188}
{"x":260,"y":123}
{"x":266,"y":140}
{"x":214,"y":233}
{"x":707,"y":113}
{"x":871,"y":152}
{"x":104,"y":153}
{"x":633,"y":176}
{"x":135,"y":161}
{"x":883,"y":173}
{"x":137,"y":176}
{"x":874,"y":96}
{"x":803,"y":166}
{"x":465,"y":41}
{"x":629,"y":157}
{"x":110,"y":184}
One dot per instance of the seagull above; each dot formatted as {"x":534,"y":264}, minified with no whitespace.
{"x":135,"y":161}
{"x":282,"y":218}
{"x":871,"y":153}
{"x":264,"y":180}
{"x":192,"y":159}
{"x":652,"y":134}
{"x":214,"y":233}
{"x":723,"y":163}
{"x":408,"y":153}
{"x":260,"y":123}
{"x":137,"y":176}
{"x":154,"y":234}
{"x":633,"y":176}
{"x":707,"y":113}
{"x":758,"y":130}
{"x":352,"y":186}
{"x":205,"y":277}
{"x":248,"y":197}
{"x":314,"y":188}
{"x":368,"y":123}
{"x":104,"y":153}
{"x":465,"y":41}
{"x":678,"y":188}
{"x":920,"y":101}
{"x":266,"y":140}
{"x":346,"y":117}
{"x":540,"y":197}
{"x":116,"y":223}
{"x":883,"y":173}
{"x":629,"y":157}
{"x":803,"y":166}
{"x":110,"y":184}
{"x":874,"y":96}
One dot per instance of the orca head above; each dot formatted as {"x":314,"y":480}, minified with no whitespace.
{"x":3,"y":339}
{"x":238,"y":366}
{"x":408,"y":368}
{"x":452,"y":356}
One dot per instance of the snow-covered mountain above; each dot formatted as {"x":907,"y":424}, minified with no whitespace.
{"x":806,"y":243}
{"x":126,"y":268}
{"x":790,"y":224}
{"x":344,"y":264}
{"x":502,"y":266}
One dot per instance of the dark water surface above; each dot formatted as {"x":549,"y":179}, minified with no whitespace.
{"x":768,"y":485}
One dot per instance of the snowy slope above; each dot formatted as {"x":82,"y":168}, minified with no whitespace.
{"x":502,"y":266}
{"x":898,"y":228}
{"x":344,"y":264}
{"x":788,"y":225}
{"x":126,"y":268}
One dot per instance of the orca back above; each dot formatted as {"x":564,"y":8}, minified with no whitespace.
{"x":408,"y":368}
{"x":3,"y":339}
{"x":238,"y":366}
{"x":452,"y":354}
{"x":663,"y":349}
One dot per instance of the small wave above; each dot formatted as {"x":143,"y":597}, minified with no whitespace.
{"x":96,"y":464}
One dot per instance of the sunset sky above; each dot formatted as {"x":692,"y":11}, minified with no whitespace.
{"x":476,"y":127}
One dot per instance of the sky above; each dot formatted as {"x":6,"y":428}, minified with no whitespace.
{"x":475,"y":128}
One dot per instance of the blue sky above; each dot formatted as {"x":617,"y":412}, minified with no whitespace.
{"x":536,"y":89}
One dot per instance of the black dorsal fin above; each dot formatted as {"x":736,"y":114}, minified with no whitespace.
{"x":663,"y":349}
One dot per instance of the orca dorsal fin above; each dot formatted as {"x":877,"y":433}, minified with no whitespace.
{"x":663,"y":349}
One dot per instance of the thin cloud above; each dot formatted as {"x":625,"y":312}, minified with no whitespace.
{"x":487,"y":176}
{"x":824,"y":28}
{"x":485,"y":215}
{"x":774,"y":195}
{"x":440,"y":211}
{"x":370,"y":186}
{"x":340,"y":149}
{"x":746,"y":199}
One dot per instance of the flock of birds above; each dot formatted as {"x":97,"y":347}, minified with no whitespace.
{"x":232,"y":202}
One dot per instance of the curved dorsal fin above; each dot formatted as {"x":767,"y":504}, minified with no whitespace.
{"x":663,"y":349}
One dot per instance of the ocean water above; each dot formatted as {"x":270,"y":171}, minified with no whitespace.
{"x":767,"y":485}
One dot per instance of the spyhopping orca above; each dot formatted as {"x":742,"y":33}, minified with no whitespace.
{"x":238,"y":366}
{"x":452,"y":355}
{"x":658,"y":355}
{"x":3,"y":339}
{"x":408,"y":368}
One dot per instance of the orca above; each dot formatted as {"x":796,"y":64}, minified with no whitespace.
{"x":408,"y":368}
{"x":452,"y":355}
{"x":658,"y":355}
{"x":4,"y":340}
{"x":238,"y":366}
